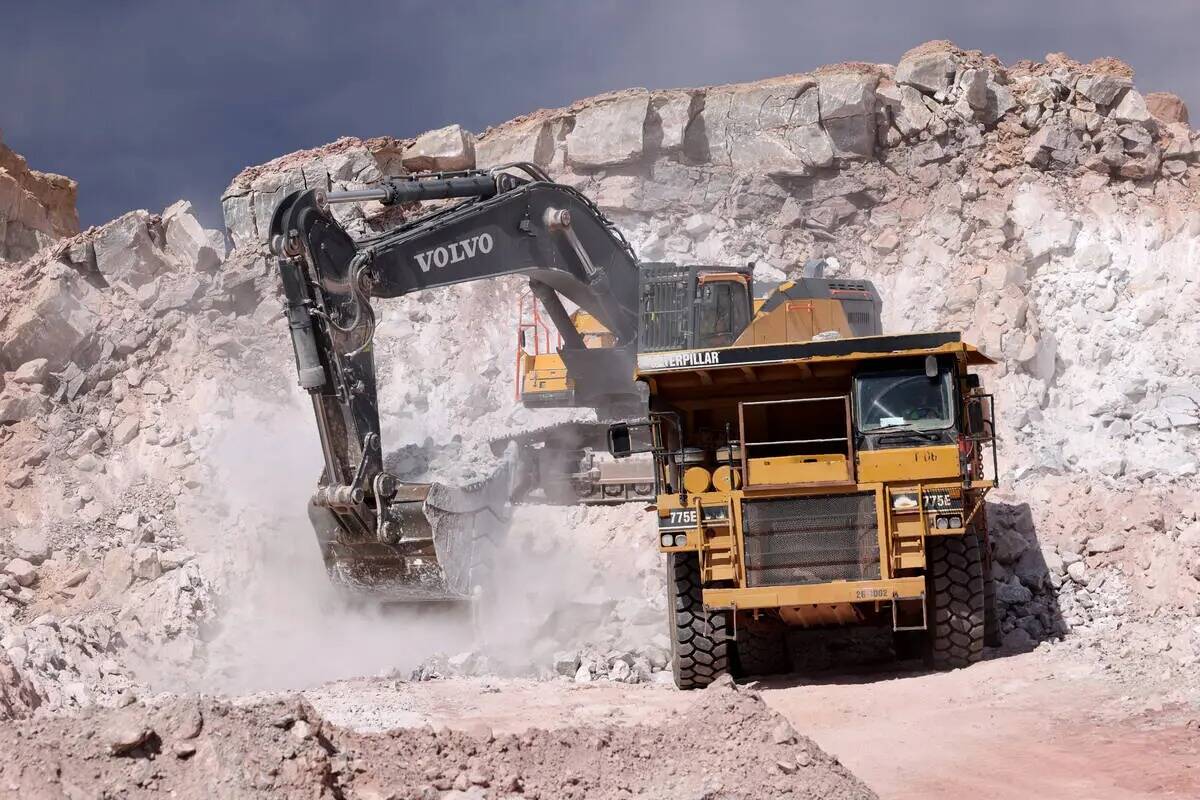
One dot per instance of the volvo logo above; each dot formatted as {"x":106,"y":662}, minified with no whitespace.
{"x":455,"y":252}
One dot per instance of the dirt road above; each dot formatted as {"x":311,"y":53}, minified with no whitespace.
{"x":1032,"y":725}
{"x":1045,"y":724}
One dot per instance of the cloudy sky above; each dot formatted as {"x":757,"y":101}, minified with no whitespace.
{"x":144,"y":103}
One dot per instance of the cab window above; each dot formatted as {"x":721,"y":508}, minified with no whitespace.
{"x":903,"y":400}
{"x":723,"y":311}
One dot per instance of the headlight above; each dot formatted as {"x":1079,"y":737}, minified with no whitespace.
{"x":956,"y":521}
{"x":906,"y":501}
{"x":666,"y":540}
{"x":680,"y":539}
{"x":942,"y":523}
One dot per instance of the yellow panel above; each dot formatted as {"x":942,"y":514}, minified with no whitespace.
{"x":908,"y":464}
{"x":815,"y":594}
{"x":798,"y":469}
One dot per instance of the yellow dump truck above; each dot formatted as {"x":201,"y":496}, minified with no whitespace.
{"x":808,"y":477}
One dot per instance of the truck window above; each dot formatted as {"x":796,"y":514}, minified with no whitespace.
{"x":903,"y":399}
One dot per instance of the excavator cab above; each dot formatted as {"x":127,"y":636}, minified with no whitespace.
{"x":723,"y":307}
{"x":691,"y":307}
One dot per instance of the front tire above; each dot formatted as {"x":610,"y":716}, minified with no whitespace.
{"x":699,"y":639}
{"x":955,"y":591}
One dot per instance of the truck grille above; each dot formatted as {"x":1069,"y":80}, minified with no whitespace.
{"x":811,"y":539}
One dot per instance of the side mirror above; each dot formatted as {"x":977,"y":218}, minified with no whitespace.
{"x":619,"y":441}
{"x":931,"y":367}
{"x":972,"y":381}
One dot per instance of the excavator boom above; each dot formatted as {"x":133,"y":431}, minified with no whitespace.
{"x":424,"y":540}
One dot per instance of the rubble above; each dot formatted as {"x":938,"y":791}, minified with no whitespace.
{"x":196,"y":748}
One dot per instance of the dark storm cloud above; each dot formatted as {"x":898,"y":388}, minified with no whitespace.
{"x":143,"y":103}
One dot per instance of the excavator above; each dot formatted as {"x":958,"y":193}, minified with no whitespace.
{"x":430,"y":541}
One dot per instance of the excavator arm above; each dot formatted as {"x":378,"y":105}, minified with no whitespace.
{"x":423,"y":540}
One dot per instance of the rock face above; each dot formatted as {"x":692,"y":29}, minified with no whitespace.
{"x":36,"y":208}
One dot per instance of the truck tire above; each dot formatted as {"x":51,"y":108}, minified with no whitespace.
{"x":761,"y":653}
{"x":699,"y":646}
{"x":955,"y":591}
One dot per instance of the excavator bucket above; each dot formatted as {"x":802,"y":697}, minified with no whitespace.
{"x":442,"y":545}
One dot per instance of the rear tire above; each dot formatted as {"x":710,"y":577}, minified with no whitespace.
{"x":699,"y":646}
{"x":761,"y":653}
{"x":955,"y":592}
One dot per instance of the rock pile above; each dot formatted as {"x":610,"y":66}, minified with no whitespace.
{"x":191,"y":748}
{"x":115,"y":365}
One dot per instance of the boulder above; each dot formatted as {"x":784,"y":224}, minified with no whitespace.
{"x":23,"y":572}
{"x":18,"y":696}
{"x":1104,"y":543}
{"x":187,"y":241}
{"x":442,"y":150}
{"x":16,"y":405}
{"x":914,"y":116}
{"x":774,"y":130}
{"x":529,"y":141}
{"x":1132,"y":108}
{"x":125,"y":732}
{"x":928,"y":72}
{"x":128,"y":252}
{"x":983,"y":98}
{"x":1166,"y":107}
{"x":34,"y":371}
{"x":609,"y":132}
{"x":1103,"y":89}
{"x":1013,"y":592}
{"x":1054,"y":146}
{"x":31,"y":545}
{"x":56,"y":321}
{"x":126,"y":431}
{"x":176,"y":294}
{"x":847,"y":110}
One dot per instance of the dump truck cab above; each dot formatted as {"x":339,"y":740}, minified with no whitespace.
{"x":824,"y":482}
